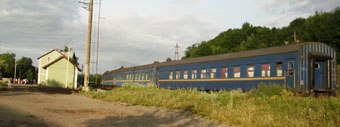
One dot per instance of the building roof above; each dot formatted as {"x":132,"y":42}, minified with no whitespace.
{"x":59,"y":58}
{"x":50,"y":52}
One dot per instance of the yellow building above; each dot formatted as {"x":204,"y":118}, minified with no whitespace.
{"x":56,"y":70}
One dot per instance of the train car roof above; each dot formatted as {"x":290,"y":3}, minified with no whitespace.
{"x":242,"y":54}
{"x":226,"y":56}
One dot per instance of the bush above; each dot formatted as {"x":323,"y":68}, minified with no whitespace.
{"x":54,"y":83}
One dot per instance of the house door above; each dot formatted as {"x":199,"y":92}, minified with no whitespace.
{"x":320,"y":74}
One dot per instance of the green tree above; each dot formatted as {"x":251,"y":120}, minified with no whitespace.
{"x":23,"y":66}
{"x":320,"y":27}
{"x":7,"y":64}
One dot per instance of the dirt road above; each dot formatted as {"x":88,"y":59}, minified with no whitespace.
{"x":41,"y":109}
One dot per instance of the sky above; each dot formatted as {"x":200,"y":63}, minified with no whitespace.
{"x":136,"y":32}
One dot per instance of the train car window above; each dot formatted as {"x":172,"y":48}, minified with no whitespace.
{"x":265,"y":70}
{"x":203,"y":73}
{"x":178,"y":74}
{"x":170,"y":75}
{"x":146,"y":75}
{"x":279,"y":69}
{"x":224,"y":72}
{"x":250,"y":71}
{"x":193,"y":74}
{"x":127,"y":76}
{"x":237,"y":72}
{"x":142,"y":76}
{"x":213,"y":73}
{"x":185,"y":74}
{"x":138,"y":78}
{"x":290,"y":68}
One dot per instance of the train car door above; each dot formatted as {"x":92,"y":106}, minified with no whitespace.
{"x":290,"y":76}
{"x":320,"y":74}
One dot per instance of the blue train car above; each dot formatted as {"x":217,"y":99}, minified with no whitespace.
{"x":143,"y":75}
{"x":309,"y":66}
{"x":304,"y":66}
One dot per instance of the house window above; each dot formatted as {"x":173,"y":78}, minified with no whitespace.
{"x":236,"y":71}
{"x":224,"y":72}
{"x":290,"y":68}
{"x":170,"y":75}
{"x":185,"y":74}
{"x":193,"y":74}
{"x":250,"y":71}
{"x":203,"y":73}
{"x":265,"y":70}
{"x":213,"y":73}
{"x":279,"y":69}
{"x":178,"y":74}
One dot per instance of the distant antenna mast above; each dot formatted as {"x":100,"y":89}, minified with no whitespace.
{"x":176,"y":52}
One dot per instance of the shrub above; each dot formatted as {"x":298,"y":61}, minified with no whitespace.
{"x":54,"y":83}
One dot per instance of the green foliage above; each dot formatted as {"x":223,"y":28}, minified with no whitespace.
{"x":321,"y":27}
{"x":74,"y":58}
{"x":54,"y":83}
{"x":92,"y":79}
{"x":3,"y":84}
{"x":7,"y":64}
{"x":24,"y":67}
{"x":270,"y":106}
{"x":235,"y":108}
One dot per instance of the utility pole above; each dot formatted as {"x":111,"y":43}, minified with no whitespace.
{"x":68,"y":61}
{"x":98,"y":41}
{"x":88,"y":48}
{"x":295,"y":37}
{"x":15,"y":69}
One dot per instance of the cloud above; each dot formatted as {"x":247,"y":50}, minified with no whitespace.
{"x":33,"y":28}
{"x":280,"y":13}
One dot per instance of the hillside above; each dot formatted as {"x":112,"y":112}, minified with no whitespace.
{"x":320,"y":27}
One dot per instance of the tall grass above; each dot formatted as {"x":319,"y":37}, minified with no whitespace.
{"x":268,"y":106}
{"x":3,"y":84}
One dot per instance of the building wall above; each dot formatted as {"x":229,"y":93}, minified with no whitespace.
{"x":42,"y":62}
{"x":58,"y":72}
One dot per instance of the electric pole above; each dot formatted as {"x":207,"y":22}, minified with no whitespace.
{"x":88,"y":48}
{"x":98,"y":41}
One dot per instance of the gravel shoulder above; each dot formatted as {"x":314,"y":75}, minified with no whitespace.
{"x":41,"y":109}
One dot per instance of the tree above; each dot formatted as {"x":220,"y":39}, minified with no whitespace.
{"x":23,"y":66}
{"x":7,"y":61}
{"x":321,"y":27}
{"x":74,"y":58}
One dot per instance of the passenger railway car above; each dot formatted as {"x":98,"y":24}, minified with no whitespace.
{"x":309,"y":66}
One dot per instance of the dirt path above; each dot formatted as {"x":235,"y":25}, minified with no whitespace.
{"x":41,"y":109}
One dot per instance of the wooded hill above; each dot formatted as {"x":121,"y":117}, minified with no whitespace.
{"x":320,"y":27}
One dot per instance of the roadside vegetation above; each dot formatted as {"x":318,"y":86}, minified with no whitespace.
{"x":3,"y":85}
{"x":268,"y":106}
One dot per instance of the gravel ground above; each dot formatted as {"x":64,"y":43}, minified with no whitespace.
{"x":35,"y":109}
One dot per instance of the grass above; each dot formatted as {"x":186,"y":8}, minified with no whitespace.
{"x":3,"y":84}
{"x":268,"y":106}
